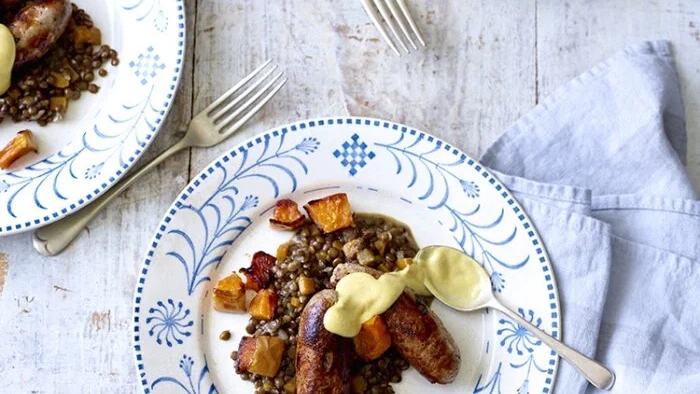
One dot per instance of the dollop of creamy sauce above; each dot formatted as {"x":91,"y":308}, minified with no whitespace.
{"x":438,"y":270}
{"x":7,"y":57}
{"x":360,"y":297}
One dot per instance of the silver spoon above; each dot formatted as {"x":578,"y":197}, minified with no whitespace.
{"x":482,"y":297}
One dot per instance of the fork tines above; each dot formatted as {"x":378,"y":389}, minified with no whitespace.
{"x":392,"y":13}
{"x":246,"y":98}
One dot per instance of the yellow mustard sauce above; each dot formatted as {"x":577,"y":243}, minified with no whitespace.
{"x":360,"y":297}
{"x":452,"y":275}
{"x":434,"y":269}
{"x":7,"y":57}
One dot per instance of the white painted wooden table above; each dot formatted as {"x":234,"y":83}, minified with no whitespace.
{"x":65,"y":322}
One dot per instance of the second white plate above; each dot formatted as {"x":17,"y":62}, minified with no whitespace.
{"x":103,"y":135}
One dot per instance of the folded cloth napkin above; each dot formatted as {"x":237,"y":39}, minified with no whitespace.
{"x":599,"y":167}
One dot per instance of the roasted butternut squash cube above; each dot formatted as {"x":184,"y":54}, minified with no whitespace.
{"x":229,"y":294}
{"x":306,"y":285}
{"x":60,"y":80}
{"x":403,"y":263}
{"x":22,"y":144}
{"x":287,"y":215}
{"x":330,"y":213}
{"x":263,"y":305}
{"x":87,"y":35}
{"x":291,"y":386}
{"x":70,"y":72}
{"x":358,"y":384}
{"x":373,"y":339}
{"x":260,"y":355}
{"x":246,"y":352}
{"x":59,"y":104}
{"x":259,"y":274}
{"x":282,"y":252}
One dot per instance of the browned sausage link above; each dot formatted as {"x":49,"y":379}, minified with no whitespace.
{"x":37,"y":26}
{"x":416,"y":332}
{"x":323,"y":359}
{"x":421,"y":338}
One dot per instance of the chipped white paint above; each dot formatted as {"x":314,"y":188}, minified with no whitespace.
{"x":65,"y":322}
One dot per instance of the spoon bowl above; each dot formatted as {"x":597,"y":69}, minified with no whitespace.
{"x":470,"y":290}
{"x":473,"y":283}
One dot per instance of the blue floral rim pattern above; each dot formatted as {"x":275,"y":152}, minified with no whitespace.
{"x":111,"y":143}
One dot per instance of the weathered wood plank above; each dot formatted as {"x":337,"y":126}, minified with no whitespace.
{"x":476,"y":77}
{"x":234,"y":37}
{"x":3,"y":271}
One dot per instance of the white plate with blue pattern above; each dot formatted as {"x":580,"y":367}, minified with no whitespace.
{"x":221,"y":219}
{"x":102,"y":135}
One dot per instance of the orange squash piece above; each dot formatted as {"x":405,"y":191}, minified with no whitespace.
{"x":287,"y":215}
{"x":246,"y":351}
{"x":229,"y":294}
{"x":373,"y":339}
{"x":22,"y":144}
{"x":403,"y":263}
{"x":307,"y":286}
{"x":263,"y":305}
{"x":330,"y":213}
{"x":87,"y":35}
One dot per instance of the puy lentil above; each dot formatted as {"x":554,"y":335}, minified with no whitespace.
{"x":312,"y":255}
{"x":66,"y":70}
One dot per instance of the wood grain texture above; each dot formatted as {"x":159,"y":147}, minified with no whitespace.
{"x":65,"y":322}
{"x":3,"y":271}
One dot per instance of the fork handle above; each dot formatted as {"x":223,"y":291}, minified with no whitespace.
{"x":53,"y":238}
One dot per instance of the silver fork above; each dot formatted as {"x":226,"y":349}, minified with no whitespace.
{"x":388,"y":12}
{"x":213,"y":125}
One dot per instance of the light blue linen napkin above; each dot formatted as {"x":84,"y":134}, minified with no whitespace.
{"x":599,"y":166}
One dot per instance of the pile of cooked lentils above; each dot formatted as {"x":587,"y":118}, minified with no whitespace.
{"x":41,"y":91}
{"x":312,"y":255}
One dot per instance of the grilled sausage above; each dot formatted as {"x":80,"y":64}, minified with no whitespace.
{"x":343,"y":270}
{"x":323,"y":359}
{"x":416,"y":332}
{"x":421,"y":338}
{"x":37,"y":26}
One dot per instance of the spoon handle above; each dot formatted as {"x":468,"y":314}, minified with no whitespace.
{"x":597,"y":374}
